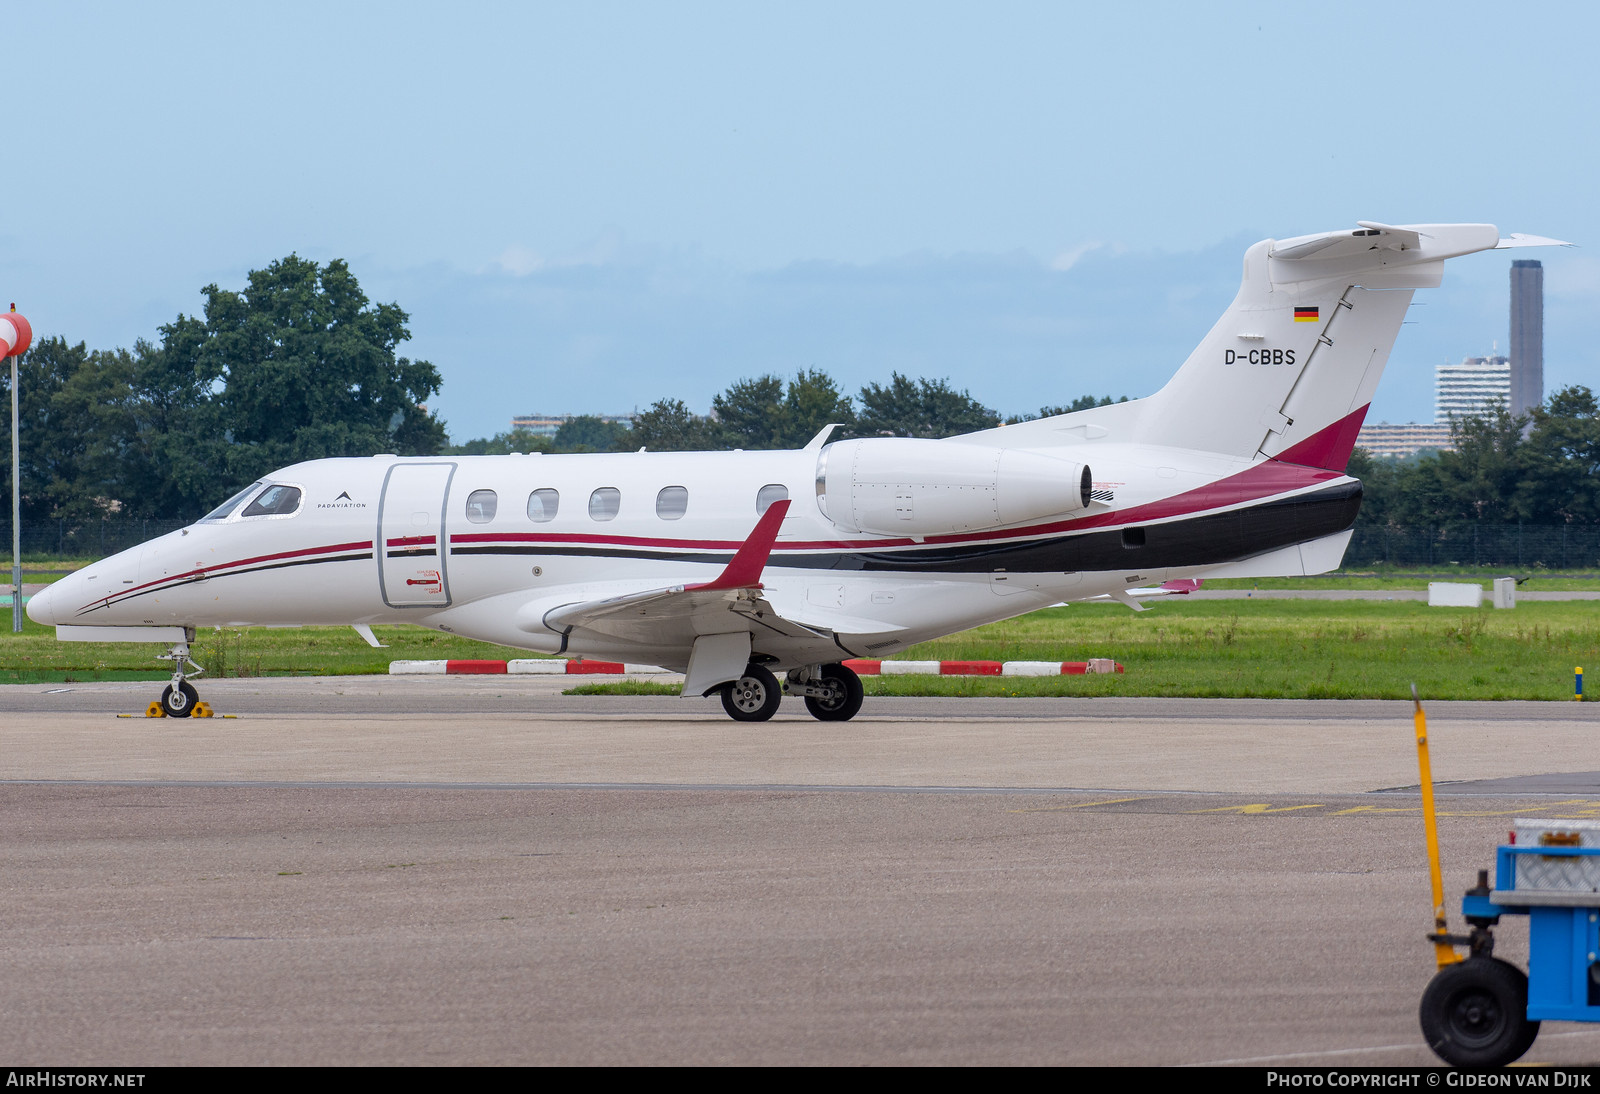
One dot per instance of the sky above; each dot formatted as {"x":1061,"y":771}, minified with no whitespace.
{"x":589,"y":207}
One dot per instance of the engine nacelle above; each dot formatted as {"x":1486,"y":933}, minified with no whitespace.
{"x":906,"y":487}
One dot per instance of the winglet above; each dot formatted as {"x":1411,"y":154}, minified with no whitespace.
{"x":744,"y":570}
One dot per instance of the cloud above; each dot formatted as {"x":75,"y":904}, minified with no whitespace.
{"x":1069,"y":257}
{"x":519,"y":261}
{"x":609,"y":248}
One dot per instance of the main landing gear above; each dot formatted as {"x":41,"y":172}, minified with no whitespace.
{"x":180,"y":698}
{"x":833,"y":693}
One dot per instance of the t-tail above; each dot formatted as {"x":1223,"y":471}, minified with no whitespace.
{"x":1289,"y":370}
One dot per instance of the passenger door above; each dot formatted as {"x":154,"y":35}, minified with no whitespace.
{"x":411,"y":535}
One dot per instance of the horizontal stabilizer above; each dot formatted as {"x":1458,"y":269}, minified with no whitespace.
{"x":1518,"y":239}
{"x":1131,"y":597}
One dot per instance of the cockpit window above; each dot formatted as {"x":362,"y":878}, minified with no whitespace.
{"x":222,"y":511}
{"x":275,"y":501}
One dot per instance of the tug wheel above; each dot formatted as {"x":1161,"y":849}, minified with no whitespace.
{"x":753,"y":697}
{"x":178,"y":702}
{"x":1475,"y":1013}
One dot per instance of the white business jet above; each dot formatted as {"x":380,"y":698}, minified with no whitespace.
{"x":735,"y":566}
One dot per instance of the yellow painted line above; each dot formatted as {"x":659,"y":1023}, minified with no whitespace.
{"x":1260,"y":807}
{"x":1543,"y":809}
{"x":1079,"y":805}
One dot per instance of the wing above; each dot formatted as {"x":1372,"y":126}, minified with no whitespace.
{"x":715,"y":620}
{"x":679,"y":614}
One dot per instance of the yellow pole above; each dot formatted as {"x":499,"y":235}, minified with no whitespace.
{"x":1443,"y":952}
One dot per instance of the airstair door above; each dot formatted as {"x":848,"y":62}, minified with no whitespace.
{"x":411,"y":535}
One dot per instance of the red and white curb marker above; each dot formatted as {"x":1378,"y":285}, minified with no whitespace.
{"x":530,"y":666}
{"x":983,"y":668}
{"x":555,"y":666}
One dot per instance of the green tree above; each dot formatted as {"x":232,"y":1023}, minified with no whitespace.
{"x":1478,"y":480}
{"x":811,"y":402}
{"x":667,"y":426}
{"x":298,"y":366}
{"x":1082,"y":402}
{"x":516,"y":440}
{"x":1385,"y":487}
{"x":46,"y":448}
{"x":75,"y":429}
{"x":921,"y":408}
{"x":1539,"y":469}
{"x":766,"y":413}
{"x":750,"y":413}
{"x":587,"y":433}
{"x":310,"y":369}
{"x":1560,"y":460}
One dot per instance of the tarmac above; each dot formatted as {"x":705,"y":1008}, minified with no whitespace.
{"x":480,"y":870}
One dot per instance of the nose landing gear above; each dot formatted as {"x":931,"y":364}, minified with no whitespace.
{"x":180,"y":698}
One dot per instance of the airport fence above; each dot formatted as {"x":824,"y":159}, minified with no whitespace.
{"x":45,"y":540}
{"x":1520,"y":546}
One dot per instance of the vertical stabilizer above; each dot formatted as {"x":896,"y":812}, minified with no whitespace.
{"x":1289,"y":369}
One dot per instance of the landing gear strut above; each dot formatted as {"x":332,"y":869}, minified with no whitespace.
{"x":179,"y":700}
{"x":833,"y":693}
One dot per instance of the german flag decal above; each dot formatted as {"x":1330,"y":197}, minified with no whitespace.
{"x":1305,"y":315}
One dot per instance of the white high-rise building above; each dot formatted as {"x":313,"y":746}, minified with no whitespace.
{"x":1476,"y":386}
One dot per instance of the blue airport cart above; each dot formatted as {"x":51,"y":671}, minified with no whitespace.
{"x":1482,"y":1011}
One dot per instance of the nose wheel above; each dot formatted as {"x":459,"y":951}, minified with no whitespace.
{"x":180,"y":698}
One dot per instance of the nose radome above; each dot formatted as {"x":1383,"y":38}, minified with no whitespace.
{"x":41,"y":606}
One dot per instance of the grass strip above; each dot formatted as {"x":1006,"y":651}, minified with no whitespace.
{"x":1200,"y":649}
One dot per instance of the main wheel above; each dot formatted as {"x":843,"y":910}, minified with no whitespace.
{"x":178,"y":702}
{"x":1475,"y":1013}
{"x":844,"y":702}
{"x":753,"y":697}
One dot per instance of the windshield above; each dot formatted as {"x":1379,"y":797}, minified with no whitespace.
{"x":275,"y":501}
{"x":221,"y":512}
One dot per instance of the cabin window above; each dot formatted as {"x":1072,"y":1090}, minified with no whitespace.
{"x":1133,"y":537}
{"x":768,"y":494}
{"x":542,"y":505}
{"x":604,"y":503}
{"x":275,"y":501}
{"x":481,"y":506}
{"x":222,"y":511}
{"x":672,"y":502}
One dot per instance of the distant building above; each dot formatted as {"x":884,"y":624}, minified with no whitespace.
{"x":1408,"y":439}
{"x":1527,"y":336}
{"x":547,"y":425}
{"x":1476,"y":386}
{"x":1479,"y":384}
